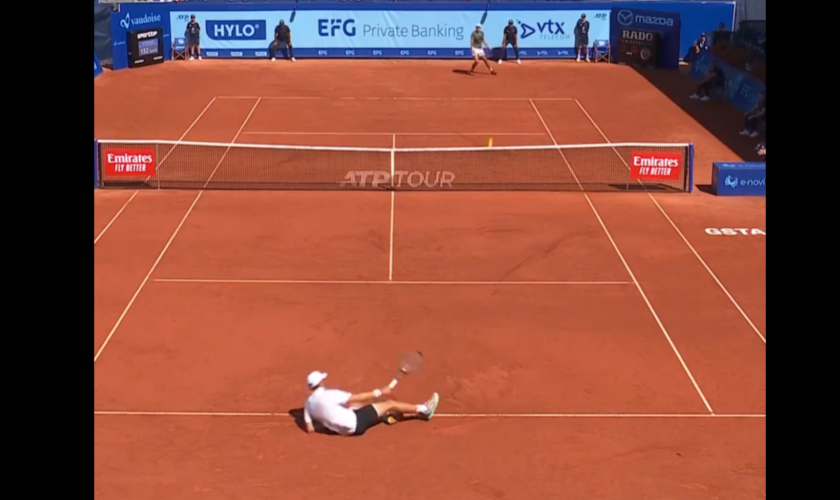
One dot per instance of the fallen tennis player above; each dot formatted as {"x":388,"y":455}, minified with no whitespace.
{"x":352,"y":414}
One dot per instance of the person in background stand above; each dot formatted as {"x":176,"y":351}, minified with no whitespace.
{"x":700,"y":45}
{"x":582,"y":37}
{"x":715,"y":78}
{"x":509,"y":38}
{"x":193,"y":33}
{"x":755,"y":115}
{"x":282,"y":39}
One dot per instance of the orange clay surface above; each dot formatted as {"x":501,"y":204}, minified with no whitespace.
{"x":634,"y":370}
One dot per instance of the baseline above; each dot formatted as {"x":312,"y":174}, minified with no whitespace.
{"x":418,"y":134}
{"x":390,"y":282}
{"x":682,"y":236}
{"x":350,"y":98}
{"x":442,"y":415}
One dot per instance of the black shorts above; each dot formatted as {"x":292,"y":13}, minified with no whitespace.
{"x":582,"y":41}
{"x":193,"y":39}
{"x":366,"y":417}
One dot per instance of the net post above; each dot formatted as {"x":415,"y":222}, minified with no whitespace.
{"x":393,"y":159}
{"x":690,"y":167}
{"x":157,"y":155}
{"x":95,"y":164}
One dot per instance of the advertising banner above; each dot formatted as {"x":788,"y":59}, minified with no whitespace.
{"x":739,"y":179}
{"x":397,"y":30}
{"x":665,"y":23}
{"x":97,"y":68}
{"x":384,"y":33}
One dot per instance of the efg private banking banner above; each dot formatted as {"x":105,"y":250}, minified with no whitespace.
{"x":424,"y":30}
{"x":384,"y":33}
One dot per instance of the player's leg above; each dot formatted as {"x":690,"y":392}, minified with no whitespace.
{"x":516,"y":53}
{"x":198,"y":48}
{"x":291,"y":52}
{"x":487,"y":63}
{"x":475,"y":61}
{"x":426,"y":409}
{"x":503,"y":53}
{"x":272,"y":51}
{"x":372,"y":414}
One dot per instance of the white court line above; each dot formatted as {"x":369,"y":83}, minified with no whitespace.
{"x":633,"y":277}
{"x":682,"y":236}
{"x":159,"y":166}
{"x":305,"y":98}
{"x":420,"y":134}
{"x":391,"y":242}
{"x":390,"y":282}
{"x":146,"y":279}
{"x":451,"y":415}
{"x":235,"y":137}
{"x":115,"y":216}
{"x":166,"y":247}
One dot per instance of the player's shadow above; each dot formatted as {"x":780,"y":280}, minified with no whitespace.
{"x":297,"y":414}
{"x":466,"y":72}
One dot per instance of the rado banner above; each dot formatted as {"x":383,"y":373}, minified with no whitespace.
{"x":145,"y":47}
{"x":629,"y":37}
{"x":640,"y":48}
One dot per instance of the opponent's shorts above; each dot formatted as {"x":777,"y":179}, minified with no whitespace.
{"x":478,"y":52}
{"x":366,"y":417}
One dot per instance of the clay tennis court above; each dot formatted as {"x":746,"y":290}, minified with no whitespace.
{"x":585,"y":345}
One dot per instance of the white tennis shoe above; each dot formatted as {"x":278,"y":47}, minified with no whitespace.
{"x":431,"y":406}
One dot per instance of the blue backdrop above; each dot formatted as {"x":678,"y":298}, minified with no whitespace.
{"x":667,"y":23}
{"x":394,"y":29}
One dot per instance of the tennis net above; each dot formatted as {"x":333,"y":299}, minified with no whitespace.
{"x":579,"y":167}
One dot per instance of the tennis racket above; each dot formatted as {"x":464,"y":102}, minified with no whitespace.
{"x":410,"y":362}
{"x":294,"y":13}
{"x":486,"y":9}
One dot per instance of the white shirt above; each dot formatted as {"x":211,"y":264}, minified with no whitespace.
{"x":327,"y":406}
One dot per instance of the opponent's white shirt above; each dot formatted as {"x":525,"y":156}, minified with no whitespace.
{"x":327,"y":407}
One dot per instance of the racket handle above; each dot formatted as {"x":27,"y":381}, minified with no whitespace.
{"x":392,"y":384}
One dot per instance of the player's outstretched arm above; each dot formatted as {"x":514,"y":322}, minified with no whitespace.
{"x":367,"y":397}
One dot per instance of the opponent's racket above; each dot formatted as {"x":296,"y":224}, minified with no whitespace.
{"x":486,"y":9}
{"x":410,"y":362}
{"x":294,"y":13}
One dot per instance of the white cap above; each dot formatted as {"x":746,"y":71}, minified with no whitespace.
{"x":314,"y":379}
{"x":478,"y":25}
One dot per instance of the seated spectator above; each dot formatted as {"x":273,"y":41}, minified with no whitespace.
{"x":700,"y":45}
{"x":756,"y":115}
{"x":713,"y":79}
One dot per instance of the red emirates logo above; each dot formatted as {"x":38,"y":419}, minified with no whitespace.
{"x":129,"y":162}
{"x":656,"y":166}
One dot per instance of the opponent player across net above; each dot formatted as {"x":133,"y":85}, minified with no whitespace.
{"x":478,"y":45}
